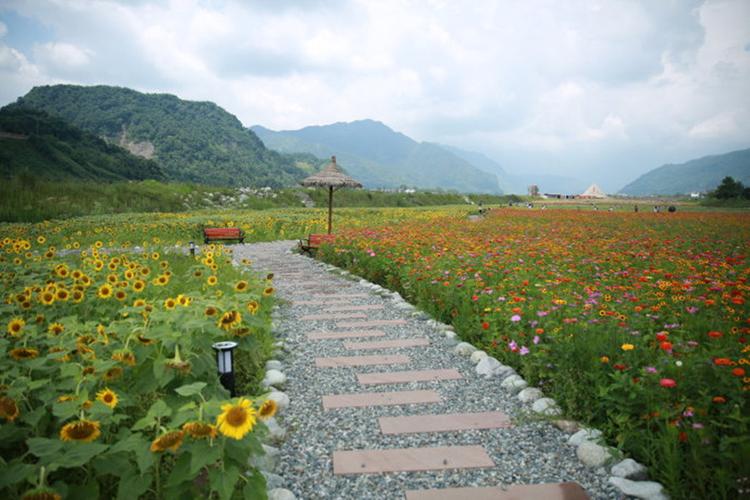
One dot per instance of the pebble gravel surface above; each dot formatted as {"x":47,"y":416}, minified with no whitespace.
{"x":531,"y":451}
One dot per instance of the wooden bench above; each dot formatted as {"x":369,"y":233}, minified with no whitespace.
{"x":314,"y":241}
{"x":223,"y":233}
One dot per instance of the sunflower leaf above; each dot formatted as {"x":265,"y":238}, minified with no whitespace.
{"x":191,"y":389}
{"x":42,"y":447}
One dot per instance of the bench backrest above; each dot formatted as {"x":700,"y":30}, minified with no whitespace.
{"x":218,"y":232}
{"x":319,"y":239}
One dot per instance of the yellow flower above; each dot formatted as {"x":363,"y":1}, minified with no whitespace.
{"x":199,"y":430}
{"x":183,"y":300}
{"x":8,"y":408}
{"x":267,"y":409}
{"x":627,"y":347}
{"x":241,"y":286}
{"x":80,"y":430}
{"x":212,"y":280}
{"x":169,"y":441}
{"x":268,"y":291}
{"x":16,"y":326}
{"x":229,"y":319}
{"x":108,"y":397}
{"x":604,"y":359}
{"x":139,"y":285}
{"x":104,"y":292}
{"x":42,"y":493}
{"x":169,"y":304}
{"x":236,"y":420}
{"x":252,"y":307}
{"x":23,"y":353}
{"x":47,"y":298}
{"x":210,"y":311}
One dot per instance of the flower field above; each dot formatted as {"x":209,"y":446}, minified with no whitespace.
{"x":637,"y":324}
{"x":108,"y":382}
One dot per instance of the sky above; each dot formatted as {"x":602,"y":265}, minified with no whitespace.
{"x":596,"y":91}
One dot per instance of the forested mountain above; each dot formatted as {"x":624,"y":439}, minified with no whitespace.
{"x":192,"y":141}
{"x":35,"y":144}
{"x":378,"y":157}
{"x":700,"y":175}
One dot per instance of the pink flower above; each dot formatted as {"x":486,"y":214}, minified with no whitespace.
{"x":524,"y":351}
{"x":536,"y":339}
{"x":667,"y":382}
{"x":515,"y":318}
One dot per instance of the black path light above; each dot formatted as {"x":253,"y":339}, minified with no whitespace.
{"x":192,"y":248}
{"x":224,"y":363}
{"x":333,"y":178}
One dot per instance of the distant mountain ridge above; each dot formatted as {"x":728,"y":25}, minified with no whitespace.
{"x":192,"y":141}
{"x":380,"y":157}
{"x":699,"y":175}
{"x":37,"y":145}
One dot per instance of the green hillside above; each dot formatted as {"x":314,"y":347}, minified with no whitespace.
{"x":700,"y":175}
{"x":379,"y":157}
{"x":35,"y":144}
{"x":192,"y":141}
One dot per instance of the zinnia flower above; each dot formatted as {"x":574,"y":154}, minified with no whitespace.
{"x":80,"y":430}
{"x":236,"y":420}
{"x":667,"y":382}
{"x":627,"y":347}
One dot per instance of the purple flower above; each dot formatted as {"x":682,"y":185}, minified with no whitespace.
{"x":650,"y":369}
{"x":697,"y":425}
{"x":687,"y":413}
{"x":515,"y":318}
{"x":542,"y":314}
{"x":691,"y":309}
{"x":536,"y":339}
{"x":524,"y":351}
{"x":512,"y":345}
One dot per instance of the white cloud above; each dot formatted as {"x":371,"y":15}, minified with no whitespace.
{"x":61,"y":55}
{"x":3,"y":29}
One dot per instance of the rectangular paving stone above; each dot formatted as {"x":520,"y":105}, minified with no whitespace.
{"x":363,"y":399}
{"x":345,"y":335}
{"x":549,"y":491}
{"x":410,"y":459}
{"x":403,"y":377}
{"x":374,"y":322}
{"x":366,"y":307}
{"x":332,"y":316}
{"x":394,"y":359}
{"x":339,"y":295}
{"x":320,"y":302}
{"x":444,"y":423}
{"x":387,"y":344}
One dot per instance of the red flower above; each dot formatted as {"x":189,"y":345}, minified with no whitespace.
{"x":719,"y":400}
{"x":722,"y":361}
{"x":667,"y":382}
{"x":715,"y":335}
{"x":683,"y":436}
{"x":485,"y":325}
{"x":666,"y":346}
{"x":738,"y":372}
{"x":619,"y":367}
{"x":662,"y":336}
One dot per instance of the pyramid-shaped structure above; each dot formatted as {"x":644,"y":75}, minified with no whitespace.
{"x":593,"y":191}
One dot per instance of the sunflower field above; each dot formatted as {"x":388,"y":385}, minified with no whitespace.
{"x":108,"y":381}
{"x":636,"y":323}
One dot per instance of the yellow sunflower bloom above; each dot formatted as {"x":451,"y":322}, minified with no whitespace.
{"x":200,"y":430}
{"x":169,"y":441}
{"x":81,"y":430}
{"x":170,"y":304}
{"x":108,"y":397}
{"x":104,"y":292}
{"x":8,"y":408}
{"x":267,"y":409}
{"x":241,"y":286}
{"x":212,"y":280}
{"x":15,"y":327}
{"x":236,"y":420}
{"x":268,"y":291}
{"x":23,"y":353}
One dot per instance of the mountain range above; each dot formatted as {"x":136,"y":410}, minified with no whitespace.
{"x":380,"y":157}
{"x":700,"y":175}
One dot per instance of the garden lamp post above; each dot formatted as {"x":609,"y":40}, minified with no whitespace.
{"x":192,"y":248}
{"x":224,"y":364}
{"x":333,"y":178}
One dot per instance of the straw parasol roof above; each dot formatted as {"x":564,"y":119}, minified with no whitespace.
{"x":331,"y":175}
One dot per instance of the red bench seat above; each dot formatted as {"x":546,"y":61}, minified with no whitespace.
{"x":314,"y":241}
{"x":223,"y":233}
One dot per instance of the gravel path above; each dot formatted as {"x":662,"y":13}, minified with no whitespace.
{"x":531,"y":451}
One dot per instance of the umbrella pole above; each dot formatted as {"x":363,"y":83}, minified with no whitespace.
{"x":330,"y":207}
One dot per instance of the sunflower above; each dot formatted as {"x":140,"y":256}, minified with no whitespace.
{"x":62,"y":294}
{"x":80,"y":430}
{"x":184,"y":300}
{"x":229,"y":319}
{"x":43,"y":493}
{"x":108,"y":397}
{"x":77,"y":296}
{"x":145,"y":340}
{"x":170,"y":304}
{"x":8,"y":408}
{"x":65,"y":398}
{"x":155,"y":256}
{"x":210,"y":311}
{"x":197,"y":273}
{"x":16,"y":326}
{"x":253,"y":307}
{"x":268,"y":291}
{"x":47,"y":298}
{"x":241,"y":286}
{"x":139,"y":285}
{"x":23,"y":353}
{"x":236,"y":420}
{"x":169,"y":441}
{"x":56,"y":328}
{"x":120,"y":295}
{"x":104,"y":292}
{"x":139,"y":303}
{"x":41,"y":240}
{"x":267,"y":409}
{"x":125,"y":357}
{"x":212,"y":280}
{"x":112,"y":374}
{"x":200,"y":430}
{"x":76,"y":275}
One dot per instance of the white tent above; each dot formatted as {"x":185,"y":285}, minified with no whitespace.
{"x":593,"y":191}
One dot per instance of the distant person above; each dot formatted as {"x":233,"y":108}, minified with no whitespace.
{"x":635,"y":208}
{"x":672,"y":209}
{"x":656,"y":209}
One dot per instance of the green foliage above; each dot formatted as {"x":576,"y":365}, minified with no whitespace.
{"x":730,"y":189}
{"x":193,"y":141}
{"x":54,"y":149}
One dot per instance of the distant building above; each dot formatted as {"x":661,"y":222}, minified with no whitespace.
{"x":593,"y":191}
{"x":695,"y":196}
{"x":533,"y":190}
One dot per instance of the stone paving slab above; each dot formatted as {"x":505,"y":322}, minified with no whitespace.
{"x":345,"y":335}
{"x":368,"y":307}
{"x":404,"y":377}
{"x":363,"y":399}
{"x":410,"y":459}
{"x":550,"y":491}
{"x":386,"y":344}
{"x":374,"y":322}
{"x":335,"y":362}
{"x":320,"y":302}
{"x":339,"y":295}
{"x":444,"y":423}
{"x":332,"y":316}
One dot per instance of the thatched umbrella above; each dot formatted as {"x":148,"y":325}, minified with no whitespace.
{"x":333,"y":178}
